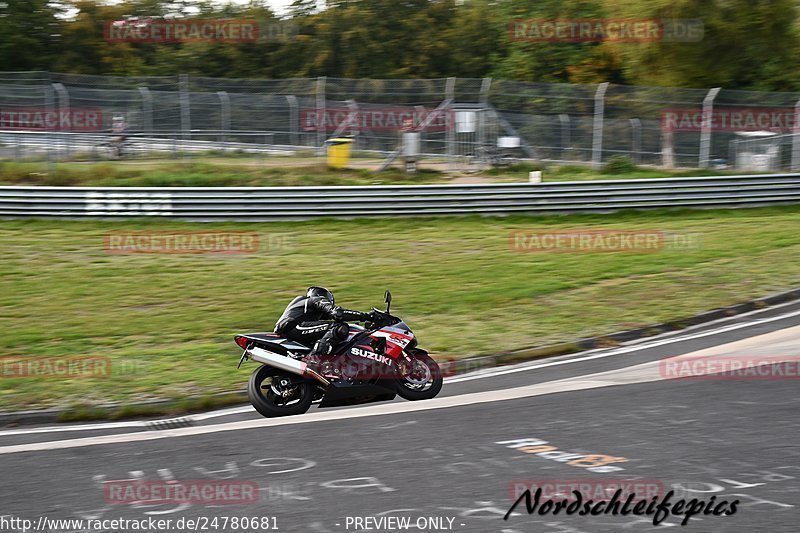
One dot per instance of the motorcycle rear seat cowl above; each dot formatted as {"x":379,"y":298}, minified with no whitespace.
{"x":276,"y":340}
{"x":264,"y":336}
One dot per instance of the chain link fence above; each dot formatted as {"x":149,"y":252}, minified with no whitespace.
{"x":46,"y":116}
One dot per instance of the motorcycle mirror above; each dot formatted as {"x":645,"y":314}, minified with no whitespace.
{"x":387,"y":297}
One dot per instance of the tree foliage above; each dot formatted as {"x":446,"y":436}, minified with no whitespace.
{"x":747,"y":44}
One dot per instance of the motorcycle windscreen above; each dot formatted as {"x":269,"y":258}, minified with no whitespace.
{"x":355,"y":329}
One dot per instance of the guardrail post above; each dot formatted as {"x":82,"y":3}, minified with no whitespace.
{"x":796,"y":139}
{"x":147,"y":110}
{"x":63,"y":107}
{"x":705,"y":131}
{"x":321,"y":81}
{"x":294,"y":118}
{"x":186,"y":125}
{"x":449,"y":94}
{"x":636,"y":140}
{"x":225,"y":117}
{"x":563,"y":118}
{"x":597,"y":127}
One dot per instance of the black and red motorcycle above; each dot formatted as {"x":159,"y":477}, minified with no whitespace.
{"x":374,"y":363}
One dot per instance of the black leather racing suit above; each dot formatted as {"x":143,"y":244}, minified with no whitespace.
{"x":316,"y":321}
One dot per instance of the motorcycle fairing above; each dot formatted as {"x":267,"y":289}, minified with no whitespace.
{"x":341,"y":393}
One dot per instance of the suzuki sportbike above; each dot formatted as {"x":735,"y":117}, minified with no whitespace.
{"x":374,"y":363}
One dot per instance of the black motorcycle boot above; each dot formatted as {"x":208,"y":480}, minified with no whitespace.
{"x":313,"y":360}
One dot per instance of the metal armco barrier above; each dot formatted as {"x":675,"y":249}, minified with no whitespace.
{"x":272,"y":203}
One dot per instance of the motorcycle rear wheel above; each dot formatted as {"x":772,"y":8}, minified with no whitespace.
{"x":271,"y":397}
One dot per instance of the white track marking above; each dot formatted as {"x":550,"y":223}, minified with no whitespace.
{"x":221,"y":412}
{"x":616,"y":351}
{"x":84,"y":427}
{"x":717,"y":321}
{"x":599,"y":353}
{"x":131,"y":424}
{"x":642,"y":343}
{"x":641,"y":373}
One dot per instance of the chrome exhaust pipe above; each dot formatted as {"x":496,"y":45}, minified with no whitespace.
{"x":285,"y":363}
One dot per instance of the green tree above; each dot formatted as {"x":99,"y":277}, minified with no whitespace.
{"x":747,"y":44}
{"x":29,"y":38}
{"x":475,"y":40}
{"x":86,"y":49}
{"x":556,"y":62}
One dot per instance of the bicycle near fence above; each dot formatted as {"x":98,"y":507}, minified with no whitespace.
{"x":487,"y":157}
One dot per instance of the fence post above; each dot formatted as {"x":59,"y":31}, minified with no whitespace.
{"x":449,"y":94}
{"x":486,"y":84}
{"x":147,"y":110}
{"x":321,"y":82}
{"x":796,"y":139}
{"x":49,"y":105}
{"x":636,"y":140}
{"x":294,"y":119}
{"x":563,"y":118}
{"x":597,"y":128}
{"x":667,"y":149}
{"x":705,"y":131}
{"x":63,"y":107}
{"x":225,"y":117}
{"x":186,"y":126}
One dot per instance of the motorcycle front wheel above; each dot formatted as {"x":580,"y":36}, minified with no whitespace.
{"x":274,"y":392}
{"x":421,"y":379}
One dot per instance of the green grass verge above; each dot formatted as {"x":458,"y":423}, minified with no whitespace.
{"x":212,"y":173}
{"x":284,"y":172}
{"x":166,"y":321}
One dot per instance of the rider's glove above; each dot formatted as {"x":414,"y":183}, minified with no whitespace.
{"x":375,"y":316}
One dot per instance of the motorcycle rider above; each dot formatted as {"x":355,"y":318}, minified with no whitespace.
{"x":119,"y":131}
{"x":314,"y":318}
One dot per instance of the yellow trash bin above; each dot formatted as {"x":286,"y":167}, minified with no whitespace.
{"x":339,"y":152}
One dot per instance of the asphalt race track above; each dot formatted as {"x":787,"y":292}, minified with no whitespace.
{"x":440,"y":465}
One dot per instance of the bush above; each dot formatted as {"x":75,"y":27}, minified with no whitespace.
{"x":619,"y":164}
